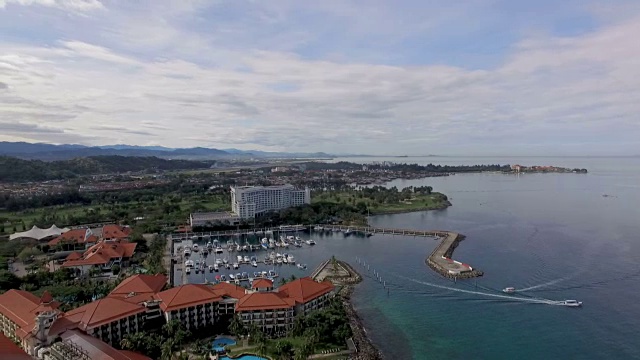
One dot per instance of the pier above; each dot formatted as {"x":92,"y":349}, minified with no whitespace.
{"x":441,"y":262}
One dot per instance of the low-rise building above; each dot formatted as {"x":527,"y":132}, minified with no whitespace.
{"x":194,"y":305}
{"x":75,"y":238}
{"x":203,"y":219}
{"x":101,"y":256}
{"x":115,"y":232}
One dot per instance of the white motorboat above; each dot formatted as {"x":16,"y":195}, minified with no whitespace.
{"x":219,"y":250}
{"x":215,"y":267}
{"x":218,"y":262}
{"x":301,"y":266}
{"x":310,"y":242}
{"x":285,"y":260}
{"x":195,"y":247}
{"x":239,"y":257}
{"x":291,"y":259}
{"x":211,"y":267}
{"x":228,"y":266}
{"x":188,"y":263}
{"x":246,"y":259}
{"x":235,"y":265}
{"x":187,"y":251}
{"x":272,"y":274}
{"x":572,"y":303}
{"x":223,"y":277}
{"x":279,"y":261}
{"x":232,"y":277}
{"x":509,"y":290}
{"x":225,"y":261}
{"x":188,"y":270}
{"x":254,"y":263}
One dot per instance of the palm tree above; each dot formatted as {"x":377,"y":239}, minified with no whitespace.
{"x":167,"y":350}
{"x":262,"y":347}
{"x":236,"y":327}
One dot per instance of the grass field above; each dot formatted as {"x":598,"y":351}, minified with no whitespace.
{"x":418,"y":202}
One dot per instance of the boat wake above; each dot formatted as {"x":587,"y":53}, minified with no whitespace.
{"x":543,"y":285}
{"x":497,"y":296}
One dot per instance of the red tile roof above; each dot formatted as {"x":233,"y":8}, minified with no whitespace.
{"x":98,"y":349}
{"x":22,"y":307}
{"x":264,"y":301}
{"x":229,"y":290}
{"x":79,"y":236}
{"x":262,"y":283}
{"x":115,"y":232}
{"x":100,"y":312}
{"x":102,"y":253}
{"x":139,"y":288}
{"x":11,"y":351}
{"x":186,"y":296}
{"x":74,"y":256}
{"x":305,"y":289}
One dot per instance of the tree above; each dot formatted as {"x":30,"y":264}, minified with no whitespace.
{"x":167,"y":350}
{"x":27,"y":253}
{"x":283,"y":349}
{"x":115,"y":269}
{"x":8,"y":280}
{"x":236,"y":327}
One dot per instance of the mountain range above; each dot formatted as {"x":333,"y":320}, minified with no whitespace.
{"x":50,"y":152}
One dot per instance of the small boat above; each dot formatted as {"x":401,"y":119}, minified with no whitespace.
{"x":228,"y":266}
{"x":245,"y":275}
{"x":285,"y":260}
{"x":254,"y":263}
{"x":239,"y":257}
{"x":197,"y":270}
{"x":195,"y":247}
{"x":310,"y":242}
{"x":188,"y":270}
{"x":188,"y":263}
{"x":197,"y":263}
{"x":219,"y":250}
{"x":297,"y":243}
{"x":246,"y":259}
{"x":272,"y":274}
{"x":209,"y":245}
{"x":279,"y":261}
{"x":572,"y":303}
{"x":223,"y":278}
{"x":211,"y":268}
{"x":257,"y":274}
{"x":225,"y":261}
{"x":509,"y":290}
{"x":235,"y":265}
{"x":238,"y":276}
{"x":215,"y":267}
{"x":301,"y":266}
{"x":291,"y":259}
{"x":218,"y":262}
{"x":187,"y":251}
{"x":218,"y":278}
{"x":232,"y":277}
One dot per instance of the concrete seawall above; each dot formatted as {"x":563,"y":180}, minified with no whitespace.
{"x":441,"y":262}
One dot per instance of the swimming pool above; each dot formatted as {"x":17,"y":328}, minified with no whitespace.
{"x":219,"y":343}
{"x":244,"y":357}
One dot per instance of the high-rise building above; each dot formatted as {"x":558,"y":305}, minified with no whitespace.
{"x":249,"y":201}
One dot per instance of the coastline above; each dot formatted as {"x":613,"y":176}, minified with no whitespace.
{"x":366,"y":350}
{"x":441,"y":206}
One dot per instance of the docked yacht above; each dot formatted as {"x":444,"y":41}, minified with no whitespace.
{"x":188,"y":264}
{"x":219,"y":250}
{"x":509,"y":290}
{"x":188,"y":270}
{"x":272,"y":274}
{"x":571,"y":303}
{"x":232,"y":277}
{"x":246,"y":259}
{"x":239,"y":257}
{"x":225,"y":261}
{"x":235,"y":265}
{"x":254,"y":263}
{"x":218,"y":262}
{"x":223,"y":277}
{"x":187,"y":251}
{"x":195,"y":247}
{"x":291,"y":259}
{"x":211,"y":268}
{"x":279,"y":261}
{"x":310,"y":242}
{"x":215,"y":267}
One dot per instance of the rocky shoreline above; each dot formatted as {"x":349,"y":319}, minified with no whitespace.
{"x":347,"y":278}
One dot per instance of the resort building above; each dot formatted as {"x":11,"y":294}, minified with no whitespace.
{"x":101,"y":256}
{"x":194,"y":305}
{"x":10,"y":351}
{"x":115,"y":232}
{"x":138,"y":303}
{"x":75,"y":238}
{"x":249,"y":201}
{"x":211,"y":218}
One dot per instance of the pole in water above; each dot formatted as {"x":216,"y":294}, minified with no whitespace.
{"x":384,"y":284}
{"x":455,"y":279}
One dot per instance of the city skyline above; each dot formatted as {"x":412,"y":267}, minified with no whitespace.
{"x":407,"y":77}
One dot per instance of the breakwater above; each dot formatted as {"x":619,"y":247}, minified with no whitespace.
{"x":441,"y":262}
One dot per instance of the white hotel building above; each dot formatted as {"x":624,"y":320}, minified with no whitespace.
{"x":249,"y":201}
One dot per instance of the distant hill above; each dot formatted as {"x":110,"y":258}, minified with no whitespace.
{"x":17,"y":170}
{"x":49,"y":152}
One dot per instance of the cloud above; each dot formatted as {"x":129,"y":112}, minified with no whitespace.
{"x":81,"y":5}
{"x":259,"y":78}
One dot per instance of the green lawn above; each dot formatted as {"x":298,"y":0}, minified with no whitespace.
{"x":417,"y":203}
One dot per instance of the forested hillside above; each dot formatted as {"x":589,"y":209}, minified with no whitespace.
{"x":17,"y":170}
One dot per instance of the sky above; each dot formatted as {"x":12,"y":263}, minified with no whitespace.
{"x":402,"y":77}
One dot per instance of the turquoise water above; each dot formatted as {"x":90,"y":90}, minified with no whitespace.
{"x":553,"y":233}
{"x":219,"y":343}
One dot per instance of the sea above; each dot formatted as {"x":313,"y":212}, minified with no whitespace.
{"x":551,"y":236}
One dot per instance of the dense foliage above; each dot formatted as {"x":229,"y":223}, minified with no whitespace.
{"x":15,"y":170}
